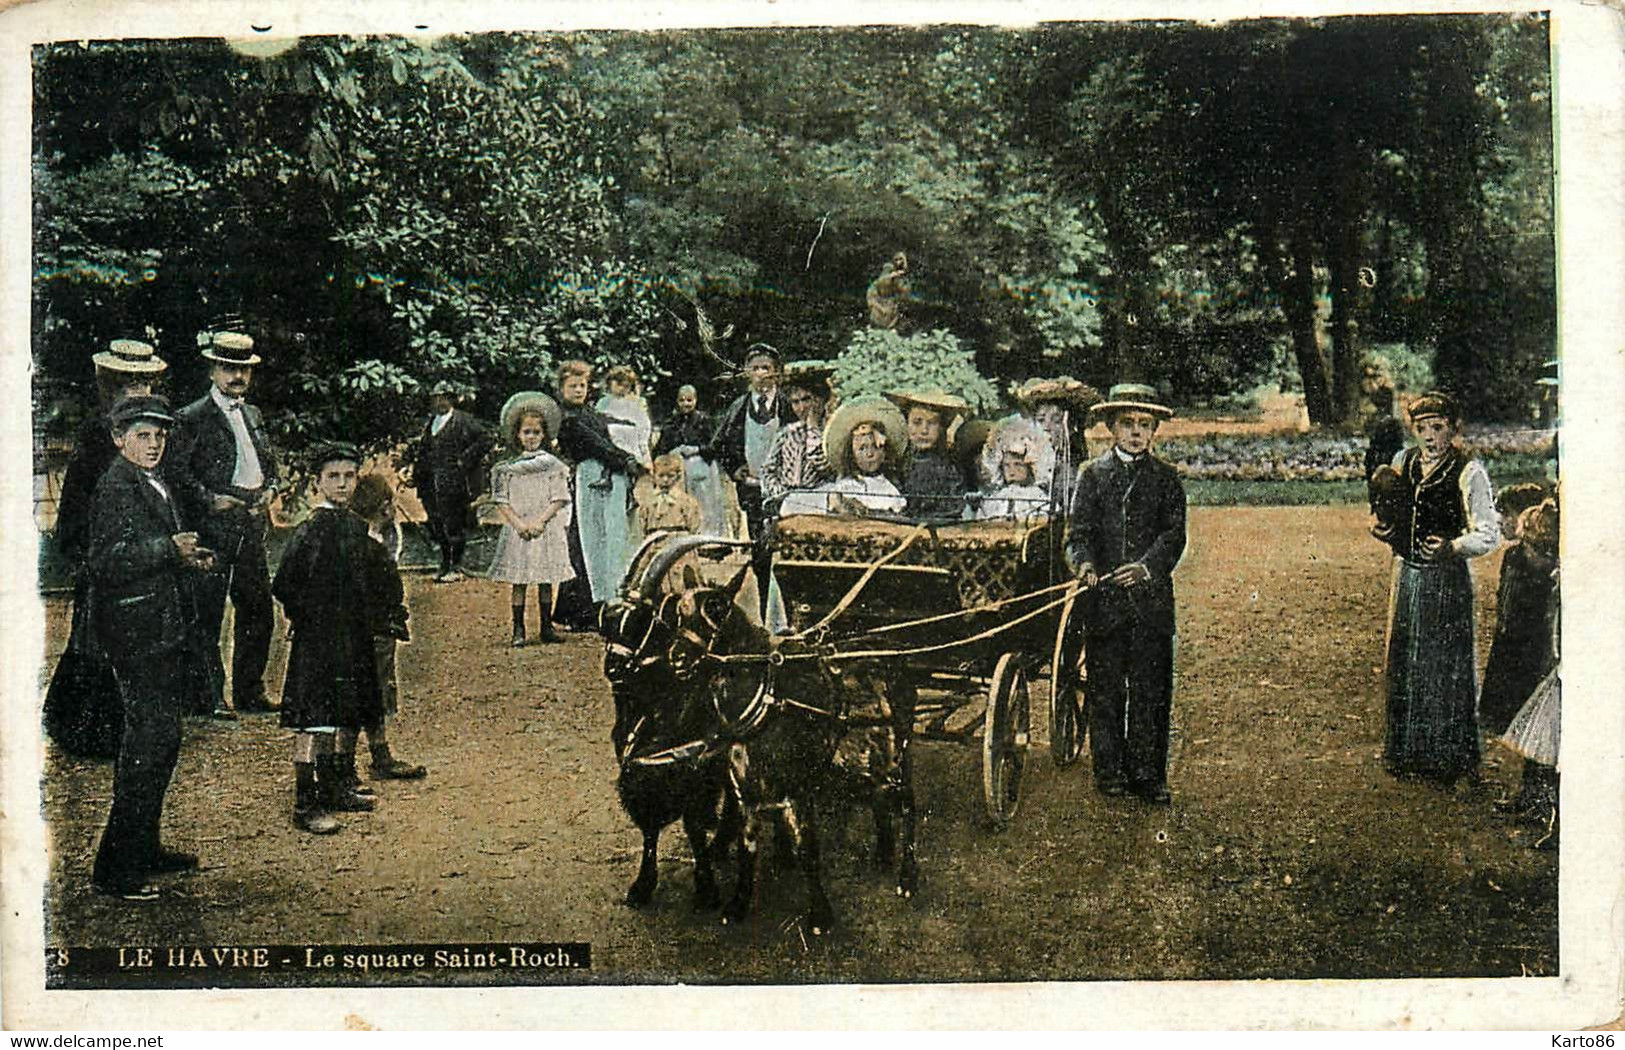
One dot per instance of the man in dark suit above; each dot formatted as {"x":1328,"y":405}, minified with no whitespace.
{"x":225,"y":474}
{"x":1127,"y":534}
{"x":139,"y":558}
{"x":447,"y":474}
{"x":743,"y":440}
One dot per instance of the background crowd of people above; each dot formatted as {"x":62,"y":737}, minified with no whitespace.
{"x":167,"y":515}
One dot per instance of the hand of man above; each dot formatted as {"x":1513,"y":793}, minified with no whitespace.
{"x":1130,"y":575}
{"x":1437,"y":548}
{"x":1086,"y":575}
{"x":186,"y":545}
{"x":224,"y":502}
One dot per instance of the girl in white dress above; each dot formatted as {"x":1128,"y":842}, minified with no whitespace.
{"x":1015,"y":462}
{"x":531,"y":491}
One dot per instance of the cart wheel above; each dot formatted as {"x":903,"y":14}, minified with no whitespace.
{"x":1065,"y":681}
{"x":1004,"y":740}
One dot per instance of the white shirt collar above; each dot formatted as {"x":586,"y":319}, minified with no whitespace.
{"x":1126,"y":458}
{"x":224,"y":400}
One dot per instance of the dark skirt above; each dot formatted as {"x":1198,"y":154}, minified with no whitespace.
{"x":83,"y":712}
{"x":1432,"y":689}
{"x":1521,"y":654}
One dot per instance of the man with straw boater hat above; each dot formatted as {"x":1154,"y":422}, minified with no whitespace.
{"x":225,"y":473}
{"x":1127,"y":534}
{"x":82,"y":712}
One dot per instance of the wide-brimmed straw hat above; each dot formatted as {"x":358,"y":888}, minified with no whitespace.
{"x":448,"y":388}
{"x":873,"y":410}
{"x":130,"y":355}
{"x":1074,"y":393}
{"x":762,"y":350}
{"x":938,"y":400}
{"x":225,"y":342}
{"x":1132,"y":397}
{"x":526,"y":402}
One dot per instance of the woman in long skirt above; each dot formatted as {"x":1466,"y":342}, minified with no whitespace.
{"x":1442,"y":512}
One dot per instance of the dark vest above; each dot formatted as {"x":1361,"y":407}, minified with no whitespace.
{"x":1433,"y":507}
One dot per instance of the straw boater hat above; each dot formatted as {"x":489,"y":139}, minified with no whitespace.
{"x":1132,"y":397}
{"x":936,"y":399}
{"x":1025,"y":438}
{"x":129,"y":355}
{"x":225,"y":342}
{"x":1074,"y":393}
{"x":526,"y":402}
{"x":844,"y":420}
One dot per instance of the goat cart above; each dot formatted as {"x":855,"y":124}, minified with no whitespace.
{"x":876,"y":633}
{"x":963,"y":616}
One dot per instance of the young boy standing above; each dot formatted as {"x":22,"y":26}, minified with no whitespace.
{"x":1127,"y":534}
{"x":329,"y":587}
{"x":374,"y":503}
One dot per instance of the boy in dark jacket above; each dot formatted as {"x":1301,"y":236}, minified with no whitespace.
{"x":1127,"y":534}
{"x":139,"y":559}
{"x":333,"y":584}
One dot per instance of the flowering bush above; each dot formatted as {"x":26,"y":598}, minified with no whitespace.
{"x":1315,"y":457}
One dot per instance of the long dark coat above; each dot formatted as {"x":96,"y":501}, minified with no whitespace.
{"x":337,"y":585}
{"x":82,"y":710}
{"x":1121,"y":514}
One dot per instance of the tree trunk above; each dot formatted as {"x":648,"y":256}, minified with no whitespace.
{"x":1298,"y":304}
{"x":1344,"y":265}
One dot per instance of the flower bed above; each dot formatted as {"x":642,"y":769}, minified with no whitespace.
{"x":1329,"y":457}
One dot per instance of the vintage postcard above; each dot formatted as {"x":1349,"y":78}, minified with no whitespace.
{"x":985,"y":515}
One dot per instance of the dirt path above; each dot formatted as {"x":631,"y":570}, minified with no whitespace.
{"x":1287,"y":852}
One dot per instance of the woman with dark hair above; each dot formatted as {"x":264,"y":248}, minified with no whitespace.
{"x":796,"y":461}
{"x":1446,"y":514}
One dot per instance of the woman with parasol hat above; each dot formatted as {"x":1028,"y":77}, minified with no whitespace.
{"x":1061,"y":406}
